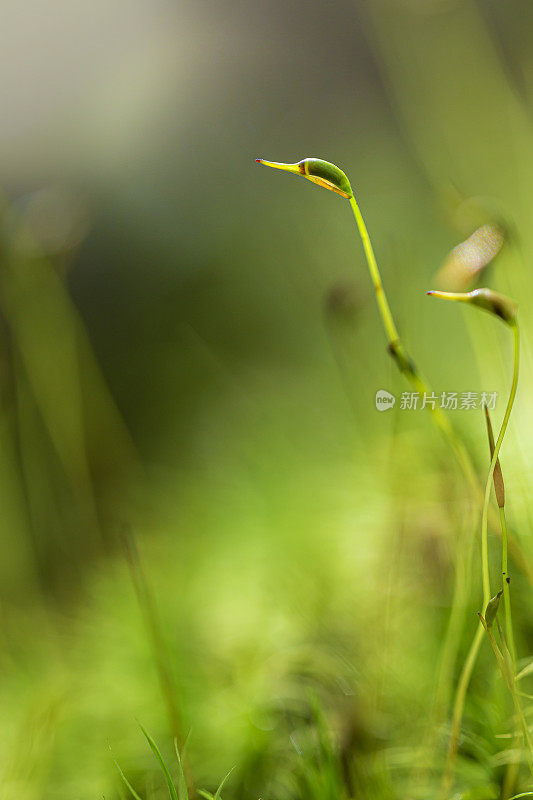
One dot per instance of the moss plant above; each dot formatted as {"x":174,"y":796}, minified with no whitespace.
{"x":331,"y":177}
{"x":506,"y":310}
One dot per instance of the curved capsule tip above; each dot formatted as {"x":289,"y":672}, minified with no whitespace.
{"x":493,"y":302}
{"x":321,"y":172}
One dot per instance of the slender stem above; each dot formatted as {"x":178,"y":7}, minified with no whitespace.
{"x":488,"y":485}
{"x":406,"y":365}
{"x":402,"y":357}
{"x":381,"y":297}
{"x":512,"y":767}
{"x":468,"y":667}
{"x":506,"y":592}
{"x":458,"y":707}
{"x":508,"y":677}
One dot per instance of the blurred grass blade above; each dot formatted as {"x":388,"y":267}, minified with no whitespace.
{"x":126,"y":781}
{"x":528,"y":670}
{"x":509,"y":668}
{"x":208,"y":795}
{"x":222,"y":782}
{"x":183,"y":792}
{"x":155,"y":749}
{"x":150,"y":615}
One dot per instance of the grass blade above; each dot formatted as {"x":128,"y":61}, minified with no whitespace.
{"x":126,"y":781}
{"x":183,"y":792}
{"x":524,"y":794}
{"x":222,"y":782}
{"x":155,"y":749}
{"x":526,"y":671}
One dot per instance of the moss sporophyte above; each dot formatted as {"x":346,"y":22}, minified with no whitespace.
{"x":318,"y":171}
{"x":329,"y":176}
{"x":505,"y":309}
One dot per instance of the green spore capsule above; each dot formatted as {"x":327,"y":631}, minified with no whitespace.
{"x":493,"y":302}
{"x":321,"y":172}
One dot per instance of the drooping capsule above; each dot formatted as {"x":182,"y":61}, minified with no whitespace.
{"x":321,"y":172}
{"x":493,"y":302}
{"x":464,"y":264}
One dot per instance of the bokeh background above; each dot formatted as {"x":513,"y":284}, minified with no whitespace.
{"x":207,"y":527}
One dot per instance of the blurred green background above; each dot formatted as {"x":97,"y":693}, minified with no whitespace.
{"x":196,"y":490}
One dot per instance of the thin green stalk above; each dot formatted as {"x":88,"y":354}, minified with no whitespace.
{"x":402,"y":357}
{"x":488,"y":485}
{"x":468,"y":667}
{"x":506,"y":593}
{"x":407,"y":366}
{"x":507,"y":671}
{"x":381,"y":297}
{"x":457,"y":715}
{"x":329,"y":176}
{"x":512,"y":768}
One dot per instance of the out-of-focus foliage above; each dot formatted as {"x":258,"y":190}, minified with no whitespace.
{"x":207,"y":526}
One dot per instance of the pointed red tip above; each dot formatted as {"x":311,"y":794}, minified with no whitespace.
{"x":258,"y":160}
{"x":431,"y":291}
